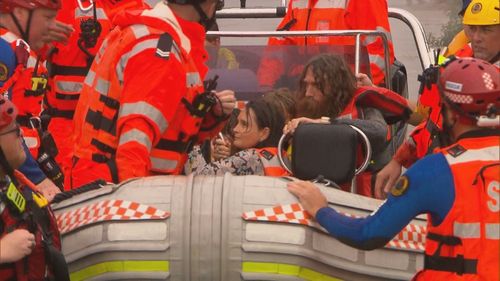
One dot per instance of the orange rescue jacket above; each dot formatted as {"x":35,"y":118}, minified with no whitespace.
{"x":141,"y":109}
{"x":466,"y":245}
{"x":272,"y":166}
{"x":28,"y":85}
{"x":332,"y":15}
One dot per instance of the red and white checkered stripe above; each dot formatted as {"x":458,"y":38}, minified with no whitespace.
{"x":462,"y":99}
{"x":412,"y":237}
{"x":488,"y":81}
{"x":293,"y":213}
{"x":107,"y":210}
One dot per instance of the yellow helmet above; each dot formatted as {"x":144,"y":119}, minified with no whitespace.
{"x":482,"y":12}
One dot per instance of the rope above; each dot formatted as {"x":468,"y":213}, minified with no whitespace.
{"x":84,"y":188}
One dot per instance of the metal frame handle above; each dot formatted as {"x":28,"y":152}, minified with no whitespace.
{"x":357,"y":171}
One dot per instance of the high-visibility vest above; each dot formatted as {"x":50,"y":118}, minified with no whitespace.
{"x":100,"y":107}
{"x":269,"y":158}
{"x":27,"y":87}
{"x":393,"y":107}
{"x":69,"y":64}
{"x":333,"y":15}
{"x":466,"y":244}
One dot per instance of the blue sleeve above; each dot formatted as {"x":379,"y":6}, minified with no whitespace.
{"x":31,"y":169}
{"x":7,"y":61}
{"x":430,"y":190}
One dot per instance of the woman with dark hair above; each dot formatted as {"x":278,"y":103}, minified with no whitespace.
{"x":256,"y":135}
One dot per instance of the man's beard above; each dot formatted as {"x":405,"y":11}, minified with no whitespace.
{"x":309,"y":107}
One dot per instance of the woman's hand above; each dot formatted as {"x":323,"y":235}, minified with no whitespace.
{"x":220,"y":149}
{"x":16,"y":245}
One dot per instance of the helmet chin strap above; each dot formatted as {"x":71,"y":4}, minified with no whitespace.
{"x":6,"y":167}
{"x":25,"y":34}
{"x":204,"y":19}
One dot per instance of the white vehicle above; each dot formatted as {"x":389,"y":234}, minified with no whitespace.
{"x":232,"y":227}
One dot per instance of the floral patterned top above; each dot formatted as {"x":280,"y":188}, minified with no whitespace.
{"x":245,"y":162}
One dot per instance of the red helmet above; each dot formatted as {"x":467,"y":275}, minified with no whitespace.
{"x":8,"y":5}
{"x":472,"y":86}
{"x":8,"y":112}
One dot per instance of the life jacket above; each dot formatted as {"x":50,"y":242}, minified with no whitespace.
{"x":466,"y":244}
{"x":28,"y":85}
{"x":46,"y":259}
{"x":272,"y":166}
{"x":69,"y":63}
{"x":305,"y":15}
{"x":457,"y":43}
{"x":393,"y":107}
{"x":465,"y":52}
{"x":100,"y":107}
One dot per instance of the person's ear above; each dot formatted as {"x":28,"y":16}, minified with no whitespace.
{"x":264,"y":134}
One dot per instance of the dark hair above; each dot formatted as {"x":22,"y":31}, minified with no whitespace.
{"x":231,"y":123}
{"x":334,"y":78}
{"x":267,"y":115}
{"x":283,"y":99}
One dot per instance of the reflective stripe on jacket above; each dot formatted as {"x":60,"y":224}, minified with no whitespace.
{"x":29,"y":88}
{"x":272,"y":166}
{"x":163,"y":127}
{"x":69,"y":64}
{"x":333,"y":15}
{"x":466,"y":245}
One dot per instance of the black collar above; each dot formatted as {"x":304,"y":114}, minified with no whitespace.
{"x":479,"y":133}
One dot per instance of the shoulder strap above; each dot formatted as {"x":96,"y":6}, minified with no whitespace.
{"x":393,"y":106}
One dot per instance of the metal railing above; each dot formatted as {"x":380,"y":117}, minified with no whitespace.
{"x":278,"y":12}
{"x":316,"y":33}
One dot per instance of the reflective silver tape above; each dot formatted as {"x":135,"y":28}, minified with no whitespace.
{"x":377,"y":60}
{"x":89,"y":79}
{"x":483,"y":154}
{"x":163,"y":164}
{"x":135,"y":135}
{"x":467,"y":230}
{"x":102,"y":86}
{"x":68,"y":86}
{"x":492,"y":231}
{"x":193,"y":79}
{"x":144,"y":109}
{"x":329,"y":4}
{"x":139,"y":30}
{"x":141,"y":46}
{"x":101,"y":15}
{"x":369,"y":39}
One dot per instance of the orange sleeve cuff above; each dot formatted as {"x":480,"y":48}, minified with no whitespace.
{"x":406,"y":154}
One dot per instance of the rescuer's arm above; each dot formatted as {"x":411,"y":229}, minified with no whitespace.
{"x":148,"y":106}
{"x":427,"y":187}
